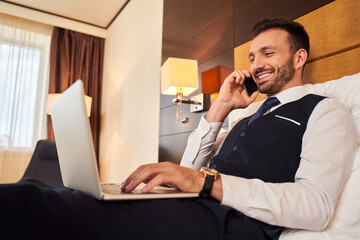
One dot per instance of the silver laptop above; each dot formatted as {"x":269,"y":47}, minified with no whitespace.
{"x":76,"y":152}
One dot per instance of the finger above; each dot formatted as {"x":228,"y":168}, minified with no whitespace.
{"x":145,"y":174}
{"x":245,"y":74}
{"x":130,"y":178}
{"x":144,"y":177}
{"x":180,"y":178}
{"x":240,"y":77}
{"x":159,"y":179}
{"x":252,"y":98}
{"x":138,"y":172}
{"x":232,"y":77}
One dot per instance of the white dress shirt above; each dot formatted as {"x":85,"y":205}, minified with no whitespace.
{"x":327,"y":154}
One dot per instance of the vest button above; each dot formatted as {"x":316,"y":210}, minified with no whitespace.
{"x":235,"y":148}
{"x":242,"y":134}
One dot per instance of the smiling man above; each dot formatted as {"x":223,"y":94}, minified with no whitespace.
{"x":281,"y":167}
{"x":272,"y":65}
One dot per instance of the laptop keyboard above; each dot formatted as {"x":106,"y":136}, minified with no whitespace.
{"x":112,"y":188}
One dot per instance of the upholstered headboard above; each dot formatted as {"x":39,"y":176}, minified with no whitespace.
{"x":334,"y":31}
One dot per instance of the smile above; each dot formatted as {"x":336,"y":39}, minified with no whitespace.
{"x":263,"y":76}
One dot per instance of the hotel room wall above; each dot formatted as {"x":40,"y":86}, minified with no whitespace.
{"x":131,"y":90}
{"x":208,"y":31}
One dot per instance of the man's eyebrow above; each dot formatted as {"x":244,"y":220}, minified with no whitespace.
{"x":263,"y":49}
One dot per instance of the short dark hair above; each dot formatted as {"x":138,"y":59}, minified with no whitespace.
{"x":298,"y":37}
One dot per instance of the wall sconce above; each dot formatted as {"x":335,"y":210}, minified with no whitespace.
{"x":53,"y":96}
{"x":212,"y":80}
{"x":179,"y":77}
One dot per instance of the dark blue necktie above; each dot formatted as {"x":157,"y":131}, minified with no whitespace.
{"x":269,"y":103}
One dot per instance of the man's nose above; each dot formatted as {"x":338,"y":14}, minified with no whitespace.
{"x":257,"y":64}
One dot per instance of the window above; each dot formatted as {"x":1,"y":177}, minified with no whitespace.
{"x":18,"y":100}
{"x":24,"y":57}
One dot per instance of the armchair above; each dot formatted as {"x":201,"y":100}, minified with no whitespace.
{"x":44,"y":169}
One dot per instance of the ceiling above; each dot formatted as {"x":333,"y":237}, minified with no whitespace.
{"x":99,"y":13}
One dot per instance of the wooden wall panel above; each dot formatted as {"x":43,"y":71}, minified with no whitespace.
{"x":197,"y":29}
{"x":333,"y":28}
{"x":213,"y":41}
{"x":241,"y":54}
{"x":333,"y":67}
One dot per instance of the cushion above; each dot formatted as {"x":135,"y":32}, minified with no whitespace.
{"x":47,"y":150}
{"x":346,"y":221}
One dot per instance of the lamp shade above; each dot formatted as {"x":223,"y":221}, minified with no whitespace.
{"x":53,"y":96}
{"x":179,"y":75}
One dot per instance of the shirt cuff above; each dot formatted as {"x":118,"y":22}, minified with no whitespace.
{"x":210,"y":130}
{"x":200,"y":139}
{"x":235,"y":192}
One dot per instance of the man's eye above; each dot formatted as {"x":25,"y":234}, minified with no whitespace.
{"x":251,"y":60}
{"x":269,"y":54}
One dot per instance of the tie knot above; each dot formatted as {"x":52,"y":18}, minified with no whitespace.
{"x":271,"y":102}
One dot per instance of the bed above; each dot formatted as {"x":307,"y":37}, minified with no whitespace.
{"x":333,"y":70}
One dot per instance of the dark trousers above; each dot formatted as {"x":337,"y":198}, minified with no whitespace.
{"x":30,"y":212}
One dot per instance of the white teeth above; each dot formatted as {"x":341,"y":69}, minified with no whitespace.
{"x":265,"y":75}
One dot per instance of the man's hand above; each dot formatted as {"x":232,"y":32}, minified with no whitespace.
{"x":230,"y":97}
{"x":173,"y":175}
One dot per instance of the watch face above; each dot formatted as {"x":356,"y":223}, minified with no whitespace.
{"x":210,"y":171}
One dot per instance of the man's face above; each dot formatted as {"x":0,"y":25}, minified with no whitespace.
{"x":271,"y":61}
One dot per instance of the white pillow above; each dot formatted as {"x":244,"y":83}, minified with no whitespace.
{"x":345,"y":224}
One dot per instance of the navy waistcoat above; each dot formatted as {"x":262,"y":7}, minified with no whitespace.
{"x":269,"y":148}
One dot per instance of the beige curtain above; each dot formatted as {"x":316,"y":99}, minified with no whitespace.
{"x":24,"y":64}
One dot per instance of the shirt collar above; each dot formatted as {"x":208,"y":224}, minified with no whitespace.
{"x":290,"y":95}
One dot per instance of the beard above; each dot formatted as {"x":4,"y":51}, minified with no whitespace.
{"x":283,"y":75}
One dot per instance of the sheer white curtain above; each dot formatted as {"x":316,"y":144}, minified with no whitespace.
{"x":24,"y":64}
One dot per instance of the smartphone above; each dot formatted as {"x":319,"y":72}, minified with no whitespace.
{"x":250,"y":86}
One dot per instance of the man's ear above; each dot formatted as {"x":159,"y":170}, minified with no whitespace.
{"x":300,"y":58}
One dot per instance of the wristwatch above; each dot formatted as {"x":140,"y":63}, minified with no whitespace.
{"x":210,"y":176}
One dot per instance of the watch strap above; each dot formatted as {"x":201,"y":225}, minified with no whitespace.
{"x":209,"y":181}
